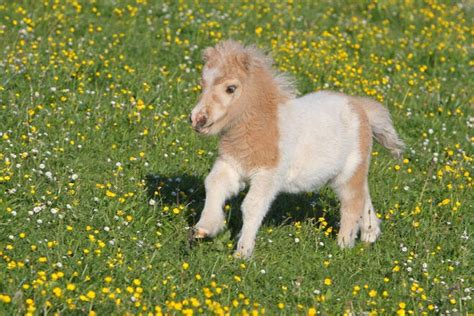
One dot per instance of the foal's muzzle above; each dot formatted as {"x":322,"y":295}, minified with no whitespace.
{"x":199,"y":122}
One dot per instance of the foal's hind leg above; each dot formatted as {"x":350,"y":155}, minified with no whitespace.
{"x":357,"y":211}
{"x":353,"y":200}
{"x":370,"y":229}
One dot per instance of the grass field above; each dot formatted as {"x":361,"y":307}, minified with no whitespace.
{"x":101,"y":176}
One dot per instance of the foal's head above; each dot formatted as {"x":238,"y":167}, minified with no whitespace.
{"x":223,"y":81}
{"x":234,"y":77}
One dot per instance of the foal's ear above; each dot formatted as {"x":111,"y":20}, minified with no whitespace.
{"x":208,"y":54}
{"x":244,"y":60}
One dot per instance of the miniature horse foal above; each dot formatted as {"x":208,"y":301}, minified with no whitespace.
{"x":276,"y":143}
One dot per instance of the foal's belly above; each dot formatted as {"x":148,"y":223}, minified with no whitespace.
{"x":310,"y":174}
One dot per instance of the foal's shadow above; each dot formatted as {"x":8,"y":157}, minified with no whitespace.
{"x":285,"y":210}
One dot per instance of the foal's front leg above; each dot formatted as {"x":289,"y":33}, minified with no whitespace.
{"x":222,"y":183}
{"x":262,"y":192}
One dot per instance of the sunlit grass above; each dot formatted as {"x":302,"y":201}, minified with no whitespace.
{"x":101,"y":175}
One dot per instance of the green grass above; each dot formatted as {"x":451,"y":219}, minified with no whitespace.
{"x":93,"y":109}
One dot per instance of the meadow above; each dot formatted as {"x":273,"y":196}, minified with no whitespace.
{"x":101,"y":175}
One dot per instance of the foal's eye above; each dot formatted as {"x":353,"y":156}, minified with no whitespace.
{"x":230,"y":89}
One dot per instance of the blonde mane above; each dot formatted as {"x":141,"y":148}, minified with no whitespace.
{"x":251,"y":58}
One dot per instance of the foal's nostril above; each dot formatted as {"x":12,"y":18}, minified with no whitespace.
{"x":190,"y":119}
{"x":201,"y":121}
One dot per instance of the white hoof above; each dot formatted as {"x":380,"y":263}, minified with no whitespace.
{"x":370,"y":235}
{"x":345,"y":241}
{"x":208,"y":229}
{"x":200,"y":233}
{"x":244,"y":250}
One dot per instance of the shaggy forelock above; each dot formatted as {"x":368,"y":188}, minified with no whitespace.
{"x":227,"y":52}
{"x":231,"y":49}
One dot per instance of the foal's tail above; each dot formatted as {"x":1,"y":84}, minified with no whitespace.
{"x":382,"y":126}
